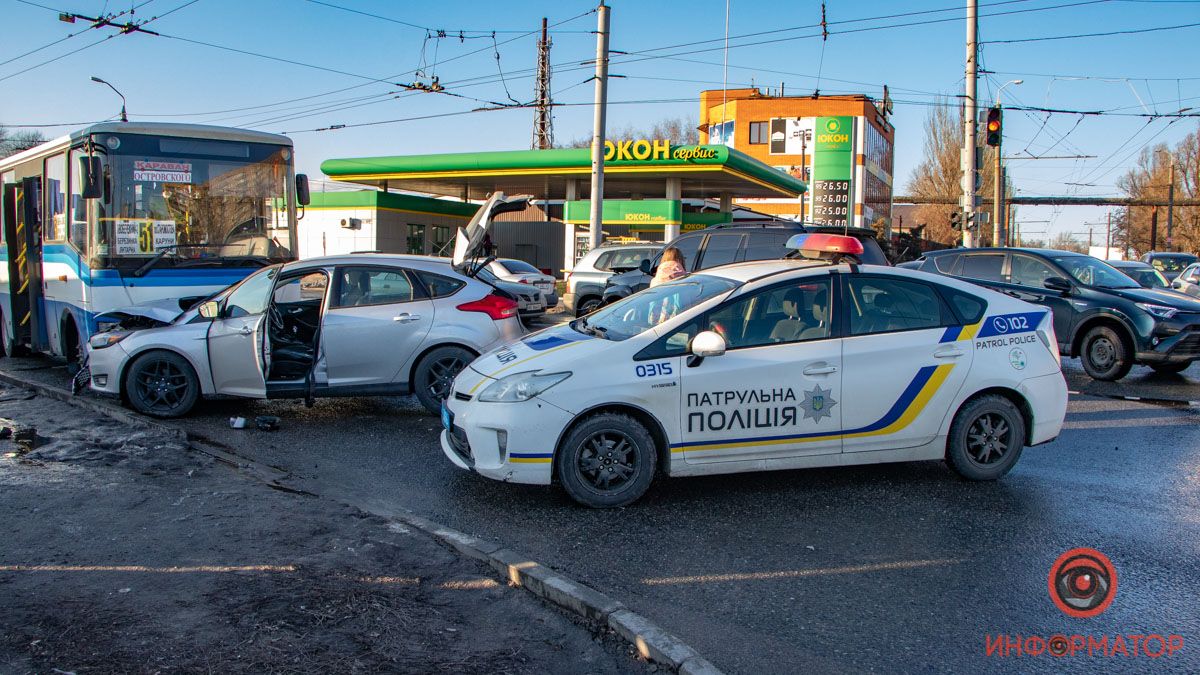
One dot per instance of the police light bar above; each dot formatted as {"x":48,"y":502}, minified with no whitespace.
{"x":816,"y":245}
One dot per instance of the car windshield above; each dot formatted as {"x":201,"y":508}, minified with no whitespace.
{"x":1149,"y":278}
{"x":1093,"y":272}
{"x":519,"y":267}
{"x":1172,"y":263}
{"x":647,"y":309}
{"x":197,"y":199}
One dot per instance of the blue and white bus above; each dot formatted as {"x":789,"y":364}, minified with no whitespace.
{"x":124,"y":214}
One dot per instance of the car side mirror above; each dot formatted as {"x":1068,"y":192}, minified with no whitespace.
{"x":706,"y":344}
{"x":1176,"y":285}
{"x":1057,"y":284}
{"x":210,"y":309}
{"x":92,"y":177}
{"x":303,"y":197}
{"x":645,"y":266}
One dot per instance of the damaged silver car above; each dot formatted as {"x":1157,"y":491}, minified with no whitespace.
{"x":352,"y":325}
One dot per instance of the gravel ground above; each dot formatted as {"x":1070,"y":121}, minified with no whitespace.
{"x":126,"y":552}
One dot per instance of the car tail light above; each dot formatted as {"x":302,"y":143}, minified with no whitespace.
{"x":493,"y":305}
{"x":1045,"y":333}
{"x":522,"y":281}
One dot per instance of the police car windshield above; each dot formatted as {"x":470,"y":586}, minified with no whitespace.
{"x":647,"y":309}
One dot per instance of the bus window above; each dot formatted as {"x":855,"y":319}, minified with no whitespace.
{"x":77,"y":209}
{"x":54,"y":223}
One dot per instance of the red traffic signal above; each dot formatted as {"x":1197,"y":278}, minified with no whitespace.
{"x":994,"y":127}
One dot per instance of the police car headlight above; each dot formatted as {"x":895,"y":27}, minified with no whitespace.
{"x":1158,"y":311}
{"x":102,"y":340}
{"x":520,"y":386}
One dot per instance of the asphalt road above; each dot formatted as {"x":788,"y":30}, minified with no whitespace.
{"x":897,"y":567}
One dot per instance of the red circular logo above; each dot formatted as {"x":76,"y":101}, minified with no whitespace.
{"x":1083,"y":582}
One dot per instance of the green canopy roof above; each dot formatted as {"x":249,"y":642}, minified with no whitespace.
{"x":706,"y":171}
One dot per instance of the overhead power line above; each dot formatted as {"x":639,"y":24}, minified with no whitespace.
{"x":1091,"y":35}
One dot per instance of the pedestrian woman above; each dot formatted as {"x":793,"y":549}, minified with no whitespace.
{"x":671,"y":266}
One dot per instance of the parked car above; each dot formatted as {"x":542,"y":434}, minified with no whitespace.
{"x":521,"y":272}
{"x":1170,"y":264}
{"x":1143,"y":273}
{"x":1188,"y":281}
{"x":585,"y":283}
{"x":1101,"y":316}
{"x":725,"y":244}
{"x":351,"y":325}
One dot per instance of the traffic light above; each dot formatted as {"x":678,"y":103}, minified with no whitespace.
{"x":994,"y":126}
{"x":956,"y":220}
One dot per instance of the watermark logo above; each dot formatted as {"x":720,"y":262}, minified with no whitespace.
{"x":1083,"y":582}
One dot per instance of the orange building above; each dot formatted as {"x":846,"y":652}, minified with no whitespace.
{"x":842,"y":146}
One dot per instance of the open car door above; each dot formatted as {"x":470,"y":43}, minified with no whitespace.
{"x":472,"y":246}
{"x":236,"y":349}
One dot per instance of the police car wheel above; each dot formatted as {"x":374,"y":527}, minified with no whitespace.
{"x":986,"y":438}
{"x":1104,"y":354}
{"x":607,"y":461}
{"x":434,"y":375}
{"x":161,"y":384}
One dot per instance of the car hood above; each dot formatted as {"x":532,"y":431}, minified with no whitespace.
{"x":162,"y":311}
{"x":629,"y":278}
{"x":1158,"y":296}
{"x":552,"y":350}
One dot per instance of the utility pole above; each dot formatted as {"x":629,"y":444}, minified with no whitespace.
{"x":1171,"y":209}
{"x":1153,"y":227}
{"x":998,"y":238}
{"x":543,"y":123}
{"x":601,"y":102}
{"x":1108,"y":237}
{"x":969,"y":115}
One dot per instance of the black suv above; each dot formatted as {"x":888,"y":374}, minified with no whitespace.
{"x":725,"y":244}
{"x":1100,"y":315}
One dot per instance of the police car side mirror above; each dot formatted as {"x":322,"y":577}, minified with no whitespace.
{"x":705,"y":344}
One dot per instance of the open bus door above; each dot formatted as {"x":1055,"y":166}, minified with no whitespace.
{"x":23,"y":232}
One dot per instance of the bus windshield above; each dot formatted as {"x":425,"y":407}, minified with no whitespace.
{"x":190,"y":199}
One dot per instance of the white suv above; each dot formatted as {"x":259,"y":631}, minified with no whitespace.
{"x":585,"y":284}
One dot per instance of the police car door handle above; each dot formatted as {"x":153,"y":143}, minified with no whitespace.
{"x":817,"y":369}
{"x":405,"y":317}
{"x":948,"y":353}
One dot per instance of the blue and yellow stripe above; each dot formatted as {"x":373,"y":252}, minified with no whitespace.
{"x":956,"y":333}
{"x":531,"y":457}
{"x":907,"y":407}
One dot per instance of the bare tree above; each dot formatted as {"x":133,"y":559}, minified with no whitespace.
{"x":677,"y":130}
{"x":940,"y":174}
{"x":13,"y":142}
{"x":1149,"y":179}
{"x":1063,"y":241}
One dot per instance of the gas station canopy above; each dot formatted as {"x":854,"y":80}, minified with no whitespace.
{"x":633,"y":169}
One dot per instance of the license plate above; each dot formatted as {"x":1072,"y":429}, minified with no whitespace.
{"x":447,"y":418}
{"x":545,"y":286}
{"x":534,"y":306}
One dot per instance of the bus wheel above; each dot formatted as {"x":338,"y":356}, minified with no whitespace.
{"x":161,"y":384}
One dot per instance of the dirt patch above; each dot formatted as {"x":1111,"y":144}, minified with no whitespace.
{"x":126,"y":552}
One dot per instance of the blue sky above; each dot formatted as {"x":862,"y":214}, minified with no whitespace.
{"x":169,"y":78}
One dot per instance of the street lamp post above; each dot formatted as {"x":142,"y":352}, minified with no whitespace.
{"x":1000,"y":232}
{"x":1170,"y":200}
{"x":124,"y":117}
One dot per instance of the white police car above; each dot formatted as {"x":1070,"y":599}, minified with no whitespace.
{"x":766,"y":365}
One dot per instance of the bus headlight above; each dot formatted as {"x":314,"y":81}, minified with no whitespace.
{"x":520,"y":387}
{"x":102,"y":340}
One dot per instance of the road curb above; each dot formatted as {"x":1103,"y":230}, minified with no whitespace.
{"x":651,"y":641}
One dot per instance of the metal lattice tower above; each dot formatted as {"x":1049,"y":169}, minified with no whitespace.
{"x":543,"y":122}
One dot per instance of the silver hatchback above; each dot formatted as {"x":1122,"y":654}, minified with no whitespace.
{"x":353,"y":325}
